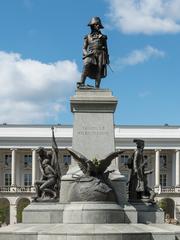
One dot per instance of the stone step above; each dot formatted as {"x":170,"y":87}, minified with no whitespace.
{"x":90,"y":232}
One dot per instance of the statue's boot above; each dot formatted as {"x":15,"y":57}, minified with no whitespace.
{"x":98,"y":81}
{"x":82,"y":81}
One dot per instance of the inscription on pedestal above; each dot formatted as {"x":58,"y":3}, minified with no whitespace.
{"x":92,"y":131}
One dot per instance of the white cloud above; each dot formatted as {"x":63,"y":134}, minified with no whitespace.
{"x":145,"y":16}
{"x":139,"y":56}
{"x":32,"y":91}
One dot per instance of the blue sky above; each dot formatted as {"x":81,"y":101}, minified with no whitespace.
{"x":41,"y":58}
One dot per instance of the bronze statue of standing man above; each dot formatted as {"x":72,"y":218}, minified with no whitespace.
{"x":136,"y":165}
{"x":138,"y":183}
{"x":95,"y":54}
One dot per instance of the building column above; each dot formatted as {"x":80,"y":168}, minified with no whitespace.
{"x":117,"y":160}
{"x":173,"y":178}
{"x":177,"y":183}
{"x":33,"y":166}
{"x":13,"y":214}
{"x":157,"y":168}
{"x":13,"y":167}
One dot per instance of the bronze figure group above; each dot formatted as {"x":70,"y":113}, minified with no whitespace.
{"x":94,"y":183}
{"x":48,"y":186}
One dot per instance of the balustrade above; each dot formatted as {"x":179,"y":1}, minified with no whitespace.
{"x":28,"y":189}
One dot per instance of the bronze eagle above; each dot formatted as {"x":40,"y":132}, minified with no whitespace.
{"x":94,"y":167}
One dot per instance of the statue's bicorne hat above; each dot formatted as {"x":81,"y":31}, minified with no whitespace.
{"x":95,"y":20}
{"x":139,"y":142}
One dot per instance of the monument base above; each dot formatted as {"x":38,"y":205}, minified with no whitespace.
{"x":147,"y":213}
{"x":91,"y":213}
{"x":43,"y":212}
{"x":93,"y":136}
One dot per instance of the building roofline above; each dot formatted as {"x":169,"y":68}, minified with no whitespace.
{"x":165,"y":126}
{"x":148,"y":126}
{"x":36,"y":125}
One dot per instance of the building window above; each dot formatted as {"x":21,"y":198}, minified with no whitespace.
{"x":163,"y":180}
{"x":67,"y":159}
{"x":163,"y":161}
{"x":7,"y":160}
{"x":7,"y":179}
{"x":27,"y":179}
{"x":27,"y":161}
{"x":146,"y":161}
{"x":124,"y":159}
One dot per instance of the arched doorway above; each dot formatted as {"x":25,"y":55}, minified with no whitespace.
{"x":4,"y":211}
{"x":22,"y":203}
{"x":168,"y":205}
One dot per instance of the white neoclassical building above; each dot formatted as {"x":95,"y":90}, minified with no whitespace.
{"x":19,"y":166}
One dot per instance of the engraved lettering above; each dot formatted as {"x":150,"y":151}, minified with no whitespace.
{"x":93,"y":131}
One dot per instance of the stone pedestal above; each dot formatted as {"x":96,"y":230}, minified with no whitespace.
{"x":93,"y":213}
{"x":43,"y":212}
{"x":93,"y":136}
{"x":93,"y":131}
{"x":147,"y":213}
